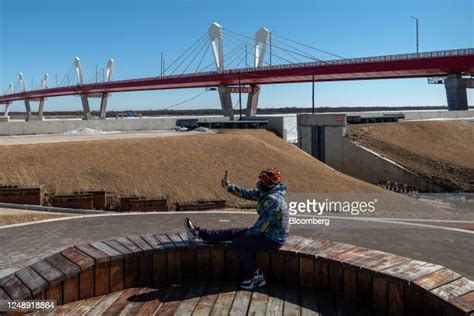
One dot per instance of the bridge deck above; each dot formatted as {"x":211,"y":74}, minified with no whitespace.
{"x":213,"y":298}
{"x":428,"y":64}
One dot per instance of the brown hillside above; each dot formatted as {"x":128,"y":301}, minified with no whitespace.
{"x":442,"y":150}
{"x":184,"y":168}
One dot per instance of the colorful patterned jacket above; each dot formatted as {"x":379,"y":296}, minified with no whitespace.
{"x":272,"y":211}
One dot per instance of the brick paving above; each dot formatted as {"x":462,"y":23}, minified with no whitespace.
{"x":23,"y":245}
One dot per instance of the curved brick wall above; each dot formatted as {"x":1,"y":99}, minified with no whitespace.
{"x":388,"y":283}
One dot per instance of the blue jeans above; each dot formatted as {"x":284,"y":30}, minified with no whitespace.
{"x":245,"y":247}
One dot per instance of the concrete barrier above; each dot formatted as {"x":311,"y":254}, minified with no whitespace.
{"x":276,"y":123}
{"x":62,"y":126}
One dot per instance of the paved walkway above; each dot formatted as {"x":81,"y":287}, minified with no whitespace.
{"x":22,"y":245}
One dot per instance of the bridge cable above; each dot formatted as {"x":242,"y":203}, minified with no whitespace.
{"x":188,"y":54}
{"x":308,"y":46}
{"x":187,"y":100}
{"x":202,"y":58}
{"x":202,"y":47}
{"x":183,"y":54}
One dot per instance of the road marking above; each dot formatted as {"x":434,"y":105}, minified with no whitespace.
{"x":399,"y":221}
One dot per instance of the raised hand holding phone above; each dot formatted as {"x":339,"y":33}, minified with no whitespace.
{"x":225,"y":183}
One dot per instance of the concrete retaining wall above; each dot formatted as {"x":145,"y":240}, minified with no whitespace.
{"x":276,"y":123}
{"x":343,"y":155}
{"x":62,"y":126}
{"x":364,"y":164}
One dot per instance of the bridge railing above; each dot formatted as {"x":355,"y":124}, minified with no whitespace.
{"x":443,"y":53}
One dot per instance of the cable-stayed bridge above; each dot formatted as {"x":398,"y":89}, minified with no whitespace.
{"x":246,"y":64}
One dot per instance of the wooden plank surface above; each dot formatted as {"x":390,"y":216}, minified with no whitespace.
{"x":276,"y":297}
{"x":454,"y":289}
{"x":71,"y":290}
{"x":93,"y":252}
{"x":173,"y":258}
{"x":155,"y":301}
{"x":241,"y":303}
{"x":32,"y":280}
{"x":113,"y":253}
{"x":137,"y":301}
{"x":382,"y":263}
{"x":317,"y":246}
{"x":309,"y":302}
{"x":4,"y":295}
{"x":396,"y":299}
{"x":15,"y":288}
{"x":203,"y":262}
{"x":277,"y":267}
{"x":145,"y":261}
{"x":437,"y":279}
{"x":188,"y":258}
{"x":176,"y":240}
{"x":191,"y":299}
{"x":341,"y":252}
{"x":48,"y":272}
{"x":79,"y":258}
{"x":172,"y":302}
{"x":102,"y":278}
{"x":306,"y":272}
{"x":84,"y":306}
{"x":153,"y":242}
{"x":121,"y":302}
{"x":64,"y":265}
{"x":292,"y":269}
{"x":337,"y":252}
{"x":208,"y":298}
{"x":144,"y":246}
{"x":224,"y":299}
{"x":165,"y":241}
{"x":291,"y":242}
{"x":217,"y":258}
{"x":115,"y":244}
{"x":465,"y":302}
{"x":411,"y":270}
{"x":258,"y":302}
{"x":86,"y":284}
{"x":292,"y":301}
{"x":103,"y":304}
{"x":124,"y":241}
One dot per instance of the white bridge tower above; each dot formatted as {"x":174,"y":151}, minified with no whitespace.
{"x":216,"y":39}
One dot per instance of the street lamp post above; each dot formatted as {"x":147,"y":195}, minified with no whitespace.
{"x":417,"y":43}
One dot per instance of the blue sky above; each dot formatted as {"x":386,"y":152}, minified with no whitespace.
{"x":39,"y":36}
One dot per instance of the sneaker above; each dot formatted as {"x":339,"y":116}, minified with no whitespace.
{"x":191,"y":231}
{"x":254,"y":282}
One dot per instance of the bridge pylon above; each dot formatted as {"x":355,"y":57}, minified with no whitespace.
{"x":11,"y":89}
{"x":456,"y":93}
{"x":27,"y":101}
{"x":84,"y":97}
{"x":105,"y":96}
{"x":216,"y":39}
{"x":41,"y":100}
{"x":262,"y":38}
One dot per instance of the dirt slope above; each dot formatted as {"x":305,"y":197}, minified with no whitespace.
{"x":184,"y":168}
{"x":441,"y":150}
